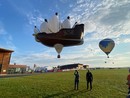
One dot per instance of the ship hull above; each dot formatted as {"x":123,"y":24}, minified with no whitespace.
{"x":66,"y":37}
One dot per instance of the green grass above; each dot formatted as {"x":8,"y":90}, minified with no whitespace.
{"x":107,"y":84}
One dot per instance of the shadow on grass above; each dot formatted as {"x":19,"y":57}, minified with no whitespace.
{"x":67,"y":94}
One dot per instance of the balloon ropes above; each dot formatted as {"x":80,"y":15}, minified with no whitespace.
{"x":58,"y":34}
{"x":107,"y":45}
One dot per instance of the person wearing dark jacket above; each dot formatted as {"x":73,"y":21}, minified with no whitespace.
{"x":89,"y":79}
{"x":76,"y":81}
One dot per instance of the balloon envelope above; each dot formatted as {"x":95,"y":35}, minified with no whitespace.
{"x":58,"y":48}
{"x":106,"y":45}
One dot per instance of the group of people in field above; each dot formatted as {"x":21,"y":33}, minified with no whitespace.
{"x":89,"y":80}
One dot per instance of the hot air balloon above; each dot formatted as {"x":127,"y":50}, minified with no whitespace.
{"x":106,"y":45}
{"x":63,"y":38}
{"x":58,"y":48}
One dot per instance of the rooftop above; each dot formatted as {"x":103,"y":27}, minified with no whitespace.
{"x":5,"y":50}
{"x":17,"y":66}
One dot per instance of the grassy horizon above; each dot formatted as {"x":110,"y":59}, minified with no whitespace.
{"x":107,"y":83}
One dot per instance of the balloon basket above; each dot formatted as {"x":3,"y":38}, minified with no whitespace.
{"x":58,"y":56}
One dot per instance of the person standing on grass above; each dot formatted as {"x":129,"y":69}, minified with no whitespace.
{"x":89,"y":79}
{"x":128,"y":82}
{"x":76,"y":81}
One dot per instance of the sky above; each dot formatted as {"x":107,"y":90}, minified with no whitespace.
{"x":102,"y":19}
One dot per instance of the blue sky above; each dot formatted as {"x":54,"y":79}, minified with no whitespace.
{"x":102,"y":19}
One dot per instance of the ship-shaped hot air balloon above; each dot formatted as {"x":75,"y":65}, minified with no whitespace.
{"x":63,"y":38}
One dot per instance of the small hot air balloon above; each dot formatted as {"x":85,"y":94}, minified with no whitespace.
{"x":106,"y":45}
{"x":58,"y":48}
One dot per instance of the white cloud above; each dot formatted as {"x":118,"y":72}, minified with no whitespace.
{"x":6,"y":40}
{"x":2,"y":30}
{"x":86,"y":57}
{"x":90,"y":26}
{"x":35,"y":19}
{"x":109,"y":18}
{"x":63,"y":1}
{"x":127,"y":40}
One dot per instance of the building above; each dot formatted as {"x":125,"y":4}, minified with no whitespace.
{"x":5,"y":56}
{"x":86,"y":66}
{"x":71,"y":66}
{"x":13,"y":69}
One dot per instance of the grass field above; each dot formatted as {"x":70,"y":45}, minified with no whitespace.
{"x":107,"y":84}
